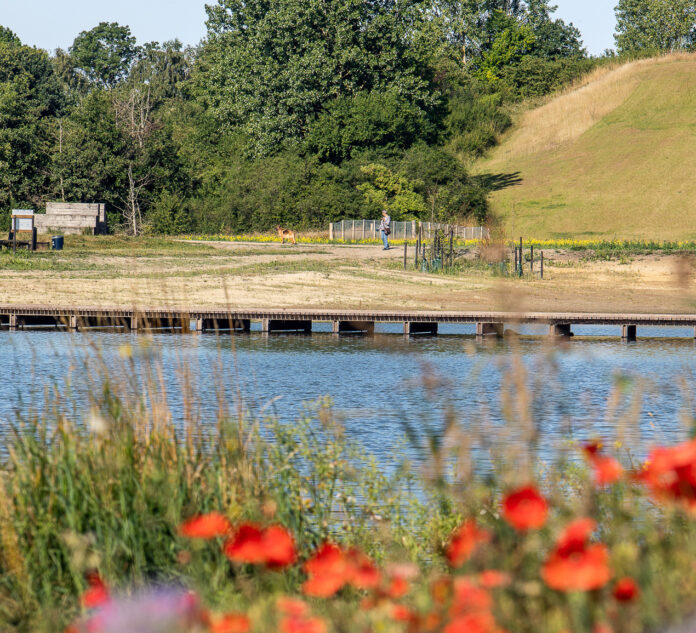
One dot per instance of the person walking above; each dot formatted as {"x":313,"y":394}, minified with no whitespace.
{"x":385,"y":228}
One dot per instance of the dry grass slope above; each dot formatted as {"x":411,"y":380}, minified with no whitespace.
{"x":611,"y":157}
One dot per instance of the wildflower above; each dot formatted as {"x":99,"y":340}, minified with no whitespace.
{"x":472,"y":623}
{"x":150,"y":612}
{"x":574,"y":565}
{"x":230,"y":623}
{"x":331,"y":568}
{"x":303,"y":624}
{"x":401,"y":613}
{"x":625,"y":590}
{"x":492,"y":578}
{"x":464,"y":541}
{"x":206,"y":526}
{"x":469,"y":597}
{"x":607,"y":469}
{"x":525,"y":509}
{"x":397,"y":588}
{"x":292,"y":607}
{"x":97,"y":593}
{"x":670,"y":473}
{"x":273,"y":546}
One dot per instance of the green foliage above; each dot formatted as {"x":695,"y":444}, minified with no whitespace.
{"x":104,"y":54}
{"x":169,"y":215}
{"x":279,"y":113}
{"x":269,"y":68}
{"x":538,"y":76}
{"x":388,"y":190}
{"x":368,"y":120}
{"x":476,"y":118}
{"x":655,"y":25}
{"x":512,"y":42}
{"x":30,"y":98}
{"x":8,"y":37}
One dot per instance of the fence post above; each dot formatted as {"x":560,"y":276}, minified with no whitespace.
{"x":542,"y":264}
{"x":531,"y":265}
{"x":363,"y":229}
{"x":405,"y":253}
{"x":352,"y":238}
{"x":343,"y":230}
{"x":331,"y":231}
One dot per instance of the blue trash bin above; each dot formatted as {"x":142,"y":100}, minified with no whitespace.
{"x":57,"y":242}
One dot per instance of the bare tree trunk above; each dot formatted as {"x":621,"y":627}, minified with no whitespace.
{"x":134,"y":218}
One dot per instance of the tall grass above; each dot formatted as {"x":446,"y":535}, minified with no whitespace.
{"x":110,"y":491}
{"x":569,"y":115}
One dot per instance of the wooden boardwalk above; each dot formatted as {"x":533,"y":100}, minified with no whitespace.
{"x":414,"y":322}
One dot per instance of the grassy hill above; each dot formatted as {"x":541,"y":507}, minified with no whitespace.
{"x":612,"y":157}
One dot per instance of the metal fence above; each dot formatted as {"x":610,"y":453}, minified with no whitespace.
{"x":354,"y":230}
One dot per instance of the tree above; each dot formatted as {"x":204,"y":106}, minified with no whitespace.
{"x":655,"y":25}
{"x":30,"y":100}
{"x":8,"y":37}
{"x":386,"y":189}
{"x":270,"y":67}
{"x":104,"y":54}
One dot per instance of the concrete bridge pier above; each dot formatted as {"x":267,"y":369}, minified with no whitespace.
{"x":417,"y":327}
{"x":560,"y":330}
{"x":353,"y":327}
{"x":490,"y":329}
{"x":628,"y":332}
{"x":286,"y":325}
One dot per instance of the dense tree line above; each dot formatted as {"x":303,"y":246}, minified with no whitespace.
{"x":291,"y":112}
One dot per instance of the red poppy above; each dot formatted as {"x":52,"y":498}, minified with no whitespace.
{"x":206,"y":526}
{"x":625,"y":590}
{"x":607,"y":469}
{"x":279,"y":546}
{"x":97,"y":593}
{"x":273,"y":546}
{"x":230,"y":623}
{"x":671,"y":473}
{"x":292,"y":607}
{"x":575,"y":536}
{"x":362,"y":572}
{"x":574,"y":565}
{"x":464,"y":541}
{"x":331,"y":568}
{"x":468,"y":597}
{"x":397,"y":588}
{"x":472,"y":623}
{"x":302,"y":625}
{"x":581,"y":570}
{"x":246,"y":545}
{"x":401,"y":613}
{"x":492,"y":578}
{"x":525,"y":509}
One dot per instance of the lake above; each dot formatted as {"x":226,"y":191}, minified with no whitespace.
{"x":594,"y":385}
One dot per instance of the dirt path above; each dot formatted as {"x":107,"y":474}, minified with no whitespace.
{"x":228,"y":274}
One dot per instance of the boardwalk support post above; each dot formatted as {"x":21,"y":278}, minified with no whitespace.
{"x":490,"y":329}
{"x":628,"y":332}
{"x":13,"y":321}
{"x":560,"y":330}
{"x":353,"y":327}
{"x":418,"y":327}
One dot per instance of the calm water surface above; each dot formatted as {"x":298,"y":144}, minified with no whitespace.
{"x":379,"y":385}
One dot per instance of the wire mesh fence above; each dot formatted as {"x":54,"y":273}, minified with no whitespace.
{"x":356,"y":230}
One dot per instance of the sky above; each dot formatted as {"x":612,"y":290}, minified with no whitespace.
{"x":52,"y":24}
